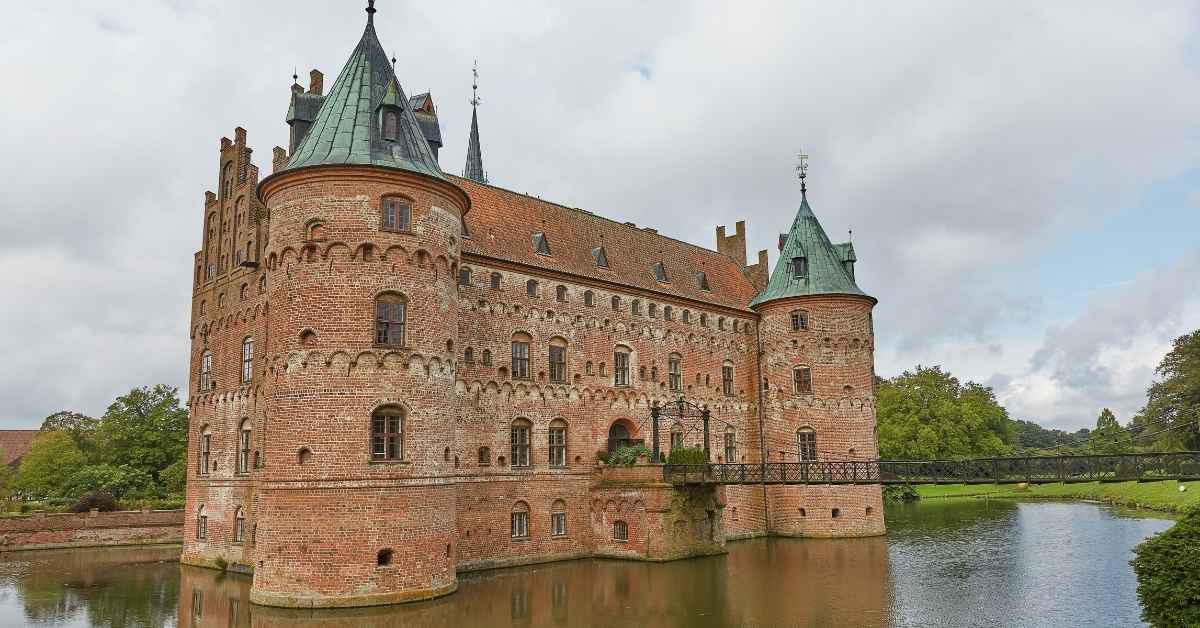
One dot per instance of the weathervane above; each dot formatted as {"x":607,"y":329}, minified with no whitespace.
{"x":802,"y":169}
{"x":475,"y":84}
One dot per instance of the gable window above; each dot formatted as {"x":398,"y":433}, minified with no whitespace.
{"x":621,"y":367}
{"x":239,"y":526}
{"x":205,"y":450}
{"x":589,"y":298}
{"x":541,"y":245}
{"x":727,"y":380}
{"x":799,"y":267}
{"x":558,"y":518}
{"x":675,"y":372}
{"x":520,"y":521}
{"x":730,"y":446}
{"x":799,"y":320}
{"x":247,"y":360}
{"x":620,"y":531}
{"x":531,"y":288}
{"x":397,"y":214}
{"x":600,"y":257}
{"x":558,"y":360}
{"x":390,"y":124}
{"x":806,"y":444}
{"x":464,"y":276}
{"x":520,"y":356}
{"x":560,"y":294}
{"x":206,"y":371}
{"x":521,"y":447}
{"x":390,"y":312}
{"x":557,"y":443}
{"x":387,"y":434}
{"x":201,"y":524}
{"x":702,"y":280}
{"x":243,"y":454}
{"x":660,"y":272}
{"x":802,"y":380}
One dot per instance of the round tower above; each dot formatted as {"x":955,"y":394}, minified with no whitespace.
{"x":356,"y":503}
{"x":818,"y":368}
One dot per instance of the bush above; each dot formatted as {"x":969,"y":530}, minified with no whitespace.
{"x":687,"y":455}
{"x":1168,"y":574}
{"x":900,"y":493}
{"x":626,"y":456}
{"x":103,"y":502}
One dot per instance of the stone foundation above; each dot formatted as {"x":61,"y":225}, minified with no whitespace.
{"x":90,"y":529}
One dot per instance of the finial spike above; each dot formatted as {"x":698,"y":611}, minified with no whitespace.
{"x":295,"y":74}
{"x":475,"y":84}
{"x":370,"y":11}
{"x":802,"y":169}
{"x":393,"y":61}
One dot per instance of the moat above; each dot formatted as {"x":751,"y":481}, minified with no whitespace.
{"x":943,"y":563}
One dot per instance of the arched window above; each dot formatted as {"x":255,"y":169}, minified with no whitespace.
{"x":468,"y":355}
{"x":396,"y":214}
{"x":487,"y":357}
{"x":239,"y":525}
{"x":560,"y":293}
{"x":730,"y":445}
{"x":558,"y":360}
{"x":621,"y":366}
{"x":636,"y":307}
{"x":242,"y":292}
{"x":464,"y":276}
{"x":520,"y":520}
{"x":727,"y":379}
{"x":521,"y":447}
{"x":676,"y":436}
{"x":485,"y":456}
{"x":557,"y":443}
{"x":243,"y":453}
{"x":262,"y":284}
{"x":247,"y":360}
{"x":387,"y":434}
{"x":802,"y":380}
{"x":687,"y":316}
{"x":703,"y":319}
{"x":675,"y":372}
{"x":737,"y":325}
{"x":520,"y":355}
{"x":721,"y":323}
{"x":799,"y":320}
{"x":495,"y":281}
{"x":652,"y":310}
{"x":201,"y":523}
{"x":806,"y":444}
{"x":616,"y":303}
{"x":620,"y":531}
{"x":668,"y":313}
{"x":589,"y":298}
{"x":390,"y":313}
{"x":558,"y":518}
{"x":531,"y":288}
{"x":205,"y":457}
{"x":206,"y":382}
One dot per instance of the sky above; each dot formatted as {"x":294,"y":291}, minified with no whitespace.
{"x":1021,"y":178}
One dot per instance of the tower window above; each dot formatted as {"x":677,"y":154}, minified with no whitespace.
{"x":799,"y":267}
{"x":520,"y":356}
{"x":806,"y":444}
{"x":802,"y":380}
{"x":201,"y":524}
{"x":243,"y":454}
{"x":247,"y":360}
{"x":520,"y":445}
{"x":239,"y":526}
{"x":558,"y":443}
{"x":558,"y":361}
{"x":205,"y":450}
{"x":799,"y":320}
{"x":675,"y":372}
{"x":390,"y":125}
{"x":387,"y":434}
{"x":397,"y":214}
{"x":730,"y":446}
{"x":621,"y":367}
{"x":727,"y":380}
{"x":206,"y":371}
{"x":390,"y":313}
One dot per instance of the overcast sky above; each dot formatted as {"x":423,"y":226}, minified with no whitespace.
{"x":1021,"y":178}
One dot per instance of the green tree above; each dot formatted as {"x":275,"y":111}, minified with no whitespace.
{"x":52,"y":459}
{"x":1168,"y":574}
{"x":1173,"y":400}
{"x":116,"y":480}
{"x":144,"y":430}
{"x":1109,"y":437}
{"x":80,"y":426}
{"x":929,"y":414}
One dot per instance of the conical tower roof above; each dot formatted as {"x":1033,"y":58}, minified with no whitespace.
{"x":826,"y":263}
{"x":347,"y":128}
{"x":474,"y":168}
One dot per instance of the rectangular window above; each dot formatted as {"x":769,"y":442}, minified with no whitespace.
{"x":558,"y":524}
{"x":464,"y":276}
{"x":727,"y":380}
{"x":676,"y":440}
{"x":799,"y":267}
{"x":386,"y":437}
{"x":247,"y":360}
{"x":558,"y":364}
{"x":806,"y":445}
{"x":558,"y":447}
{"x":206,"y":372}
{"x":799,"y":321}
{"x":205,"y":453}
{"x":239,"y":529}
{"x":389,"y":323}
{"x":397,"y":214}
{"x":675,"y":374}
{"x":202,"y":527}
{"x":520,"y":446}
{"x":802,"y":381}
{"x":520,"y":525}
{"x":730,"y":447}
{"x":243,"y":459}
{"x":520,"y":360}
{"x":620,"y":368}
{"x":620,"y":531}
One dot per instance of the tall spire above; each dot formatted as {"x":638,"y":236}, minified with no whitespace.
{"x":474,"y":168}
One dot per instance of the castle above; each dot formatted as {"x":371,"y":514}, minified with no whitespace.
{"x":398,"y":375}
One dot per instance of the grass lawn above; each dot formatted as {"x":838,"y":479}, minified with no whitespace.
{"x":1156,"y":495}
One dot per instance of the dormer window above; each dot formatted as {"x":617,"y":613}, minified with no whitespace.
{"x":600,"y":257}
{"x":799,"y":267}
{"x":390,"y":125}
{"x":541,"y":245}
{"x":702,"y":280}
{"x":660,"y":272}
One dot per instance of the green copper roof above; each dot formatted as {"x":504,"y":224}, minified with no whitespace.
{"x":826,"y":272}
{"x":347,"y":127}
{"x":474,"y":168}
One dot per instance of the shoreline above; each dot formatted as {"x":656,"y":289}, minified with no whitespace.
{"x":1162,"y":496}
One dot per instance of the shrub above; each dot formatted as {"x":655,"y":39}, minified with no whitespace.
{"x":1168,"y":574}
{"x":900,"y":493}
{"x":687,"y":455}
{"x":103,"y":502}
{"x":626,"y":456}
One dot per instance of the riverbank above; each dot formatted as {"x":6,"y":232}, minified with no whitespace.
{"x":1164,"y":496}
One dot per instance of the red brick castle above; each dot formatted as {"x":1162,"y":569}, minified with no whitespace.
{"x":398,"y":375}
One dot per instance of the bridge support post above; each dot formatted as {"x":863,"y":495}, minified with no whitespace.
{"x":654,"y":414}
{"x":704,"y":416}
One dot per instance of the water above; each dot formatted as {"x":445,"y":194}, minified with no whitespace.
{"x":944,"y":563}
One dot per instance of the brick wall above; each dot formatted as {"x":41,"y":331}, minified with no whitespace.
{"x":50,"y":530}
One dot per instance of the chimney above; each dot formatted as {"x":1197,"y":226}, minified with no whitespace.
{"x":316,"y":82}
{"x":733,"y":246}
{"x":239,"y":136}
{"x":278,"y":159}
{"x":782,"y":240}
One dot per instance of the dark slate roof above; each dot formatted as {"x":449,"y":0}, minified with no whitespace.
{"x":474,"y":168}
{"x":346,"y":131}
{"x":430,"y":127}
{"x":502,"y":224}
{"x":826,"y":274}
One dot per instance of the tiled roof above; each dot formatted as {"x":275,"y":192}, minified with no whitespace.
{"x":15,"y":443}
{"x":502,"y":223}
{"x":826,"y":273}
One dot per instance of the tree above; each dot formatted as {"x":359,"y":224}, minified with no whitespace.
{"x":1168,"y":574}
{"x":928,"y":414}
{"x":1173,"y":400}
{"x":144,"y":430}
{"x":1109,"y":437}
{"x":53,"y":457}
{"x":79,"y":426}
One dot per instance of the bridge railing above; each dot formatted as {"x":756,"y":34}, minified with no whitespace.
{"x":1086,"y":468}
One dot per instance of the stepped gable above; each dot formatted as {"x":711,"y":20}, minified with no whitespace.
{"x":502,"y":223}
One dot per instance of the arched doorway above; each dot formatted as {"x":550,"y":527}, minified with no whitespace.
{"x":619,"y":435}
